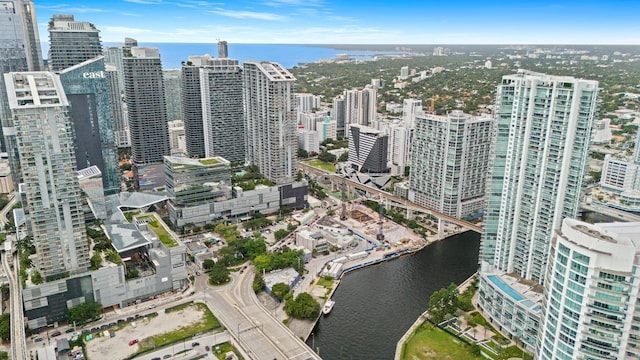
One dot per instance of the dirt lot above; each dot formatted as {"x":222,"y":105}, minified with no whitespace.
{"x":102,"y":348}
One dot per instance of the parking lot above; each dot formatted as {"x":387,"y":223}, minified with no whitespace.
{"x":118,"y":347}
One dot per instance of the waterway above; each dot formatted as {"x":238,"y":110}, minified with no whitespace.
{"x":375,"y":306}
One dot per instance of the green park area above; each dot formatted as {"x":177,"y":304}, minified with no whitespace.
{"x":328,"y":167}
{"x":429,"y":342}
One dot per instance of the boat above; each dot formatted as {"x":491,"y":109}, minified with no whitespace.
{"x":328,"y":306}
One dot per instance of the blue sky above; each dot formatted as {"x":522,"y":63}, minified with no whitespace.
{"x":356,"y":21}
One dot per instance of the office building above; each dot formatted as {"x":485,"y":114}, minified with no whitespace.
{"x":368,"y":149}
{"x":172,"y":93}
{"x":71,"y":42}
{"x":197,"y":181}
{"x":146,"y":108}
{"x":89,"y":95}
{"x":270,"y":115}
{"x":213,"y":110}
{"x":450,"y":161}
{"x":542,"y":133}
{"x":40,"y":112}
{"x":592,"y":293}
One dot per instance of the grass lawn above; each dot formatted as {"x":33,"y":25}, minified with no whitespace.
{"x":208,"y":322}
{"x":322,"y":165}
{"x":429,"y":342}
{"x":220,"y":350}
{"x":209,"y":161}
{"x":162,"y":233}
{"x":327,"y":283}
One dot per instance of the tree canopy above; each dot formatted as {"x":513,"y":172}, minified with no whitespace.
{"x":304,"y":306}
{"x":279,"y":290}
{"x":443,"y":302}
{"x":85,"y":312}
{"x":5,"y":327}
{"x":219,"y":274}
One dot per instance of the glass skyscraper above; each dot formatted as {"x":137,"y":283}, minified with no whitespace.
{"x":89,"y":95}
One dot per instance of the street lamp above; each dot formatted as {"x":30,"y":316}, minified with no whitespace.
{"x":313,"y":341}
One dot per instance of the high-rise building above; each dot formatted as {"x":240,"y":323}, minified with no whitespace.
{"x":542,"y":132}
{"x":173,"y":93}
{"x":144,"y":92}
{"x":88,"y":93}
{"x":592,"y":293}
{"x":213,"y":110}
{"x":44,"y":131}
{"x":176,"y":137}
{"x":400,"y":139}
{"x":360,"y":106}
{"x":19,"y":39}
{"x":410,"y":109}
{"x":223,"y":49}
{"x":337,"y":113}
{"x":449,"y":164}
{"x":19,"y":51}
{"x":71,"y":42}
{"x":368,"y":149}
{"x":120,"y":121}
{"x":270,"y":120}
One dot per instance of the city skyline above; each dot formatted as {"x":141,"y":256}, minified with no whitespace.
{"x":355,"y":22}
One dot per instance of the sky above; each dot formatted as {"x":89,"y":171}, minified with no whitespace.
{"x":356,"y":21}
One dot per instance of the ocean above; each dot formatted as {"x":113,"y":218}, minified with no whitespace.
{"x":288,"y":55}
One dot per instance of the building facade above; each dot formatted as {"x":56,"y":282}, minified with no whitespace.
{"x":592,"y":293}
{"x":543,"y":126}
{"x":71,"y":42}
{"x":89,"y":95}
{"x":44,"y":133}
{"x":269,"y":107}
{"x":360,"y":107}
{"x":213,"y":111}
{"x":173,"y":93}
{"x":197,"y":181}
{"x":146,"y":107}
{"x":450,"y":161}
{"x":368,"y":149}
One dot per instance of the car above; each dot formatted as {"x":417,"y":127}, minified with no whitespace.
{"x":112,"y":324}
{"x":194,"y":344}
{"x":85,"y":331}
{"x":133,"y":342}
{"x":93,"y":329}
{"x":120,"y":321}
{"x":56,"y":333}
{"x":38,"y":339}
{"x":166,"y":356}
{"x":192,"y":293}
{"x":207,"y":348}
{"x":152,"y":306}
{"x":130,"y":318}
{"x":156,"y":358}
{"x":197,"y":273}
{"x":69,"y":330}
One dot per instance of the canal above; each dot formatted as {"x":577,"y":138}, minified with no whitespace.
{"x":375,"y":306}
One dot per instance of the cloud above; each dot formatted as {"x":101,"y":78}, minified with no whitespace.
{"x":130,"y":14}
{"x":277,"y":3}
{"x":72,"y":9}
{"x":145,"y":2}
{"x":248,"y":15}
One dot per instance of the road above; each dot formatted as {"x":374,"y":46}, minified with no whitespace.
{"x":338,"y":179}
{"x":18,"y":337}
{"x":257,"y":332}
{"x":5,"y":210}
